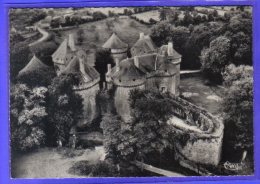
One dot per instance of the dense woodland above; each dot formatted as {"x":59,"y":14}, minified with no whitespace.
{"x":44,"y":108}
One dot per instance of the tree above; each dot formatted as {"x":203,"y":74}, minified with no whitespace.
{"x":109,"y":24}
{"x":129,"y":12}
{"x":241,"y":49}
{"x":197,"y":19}
{"x":37,"y":78}
{"x":187,"y":20}
{"x":125,"y":11}
{"x":112,"y":131}
{"x":51,"y":13}
{"x":180,"y":35}
{"x":172,"y":16}
{"x":210,"y":17}
{"x":110,"y":13}
{"x":44,"y":50}
{"x":20,"y":55}
{"x":103,"y":58}
{"x":27,"y":115}
{"x":147,"y":133}
{"x":152,"y":21}
{"x":162,"y":15}
{"x":64,"y":108}
{"x":191,"y":28}
{"x":98,"y":15}
{"x":215,"y":58}
{"x":238,"y":108}
{"x":204,"y":18}
{"x":215,"y":13}
{"x":80,"y":35}
{"x":161,"y":33}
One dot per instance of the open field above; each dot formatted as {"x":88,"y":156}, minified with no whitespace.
{"x":97,"y":33}
{"x":195,"y":91}
{"x":145,"y":16}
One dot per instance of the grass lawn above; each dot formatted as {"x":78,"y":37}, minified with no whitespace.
{"x":127,"y":29}
{"x":145,"y":16}
{"x":52,"y":162}
{"x":193,"y":89}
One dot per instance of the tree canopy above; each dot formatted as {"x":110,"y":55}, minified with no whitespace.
{"x":145,"y":134}
{"x":27,"y":116}
{"x":64,"y":107}
{"x":238,"y":106}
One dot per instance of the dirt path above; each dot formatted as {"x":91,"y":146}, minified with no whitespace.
{"x":44,"y":36}
{"x":47,"y":163}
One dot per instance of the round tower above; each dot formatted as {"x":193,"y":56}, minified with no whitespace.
{"x":125,"y":76}
{"x":117,"y":47}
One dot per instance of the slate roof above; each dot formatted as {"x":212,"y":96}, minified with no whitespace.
{"x":128,"y":71}
{"x":34,"y":64}
{"x":147,"y":62}
{"x":90,"y":72}
{"x":171,"y":55}
{"x":63,"y":49}
{"x":146,"y":43}
{"x":114,"y":42}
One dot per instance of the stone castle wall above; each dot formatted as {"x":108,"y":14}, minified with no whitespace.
{"x":90,"y":111}
{"x":203,"y":150}
{"x":159,"y":82}
{"x":121,"y":100}
{"x":202,"y":147}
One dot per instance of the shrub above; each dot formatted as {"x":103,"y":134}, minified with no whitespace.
{"x":81,"y":168}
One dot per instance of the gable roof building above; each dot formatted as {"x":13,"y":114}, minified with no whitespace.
{"x":65,"y":53}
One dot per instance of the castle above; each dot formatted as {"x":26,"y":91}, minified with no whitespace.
{"x":70,"y":59}
{"x":150,"y":67}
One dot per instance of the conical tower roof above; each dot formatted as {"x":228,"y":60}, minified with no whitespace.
{"x":34,"y":64}
{"x":147,"y":43}
{"x":114,"y":42}
{"x":127,"y":71}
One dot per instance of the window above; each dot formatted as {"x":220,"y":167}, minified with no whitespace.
{"x":163,"y":89}
{"x":140,"y":50}
{"x":144,"y":51}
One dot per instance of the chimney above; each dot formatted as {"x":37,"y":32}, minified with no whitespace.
{"x":136,"y":61}
{"x":82,"y":66}
{"x":170,"y":48}
{"x":141,"y":35}
{"x":117,"y":64}
{"x":108,"y":68}
{"x":71,"y":42}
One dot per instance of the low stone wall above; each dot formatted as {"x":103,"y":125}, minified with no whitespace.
{"x":201,"y":147}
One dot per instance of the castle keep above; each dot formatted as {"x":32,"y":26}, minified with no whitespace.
{"x":150,"y":67}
